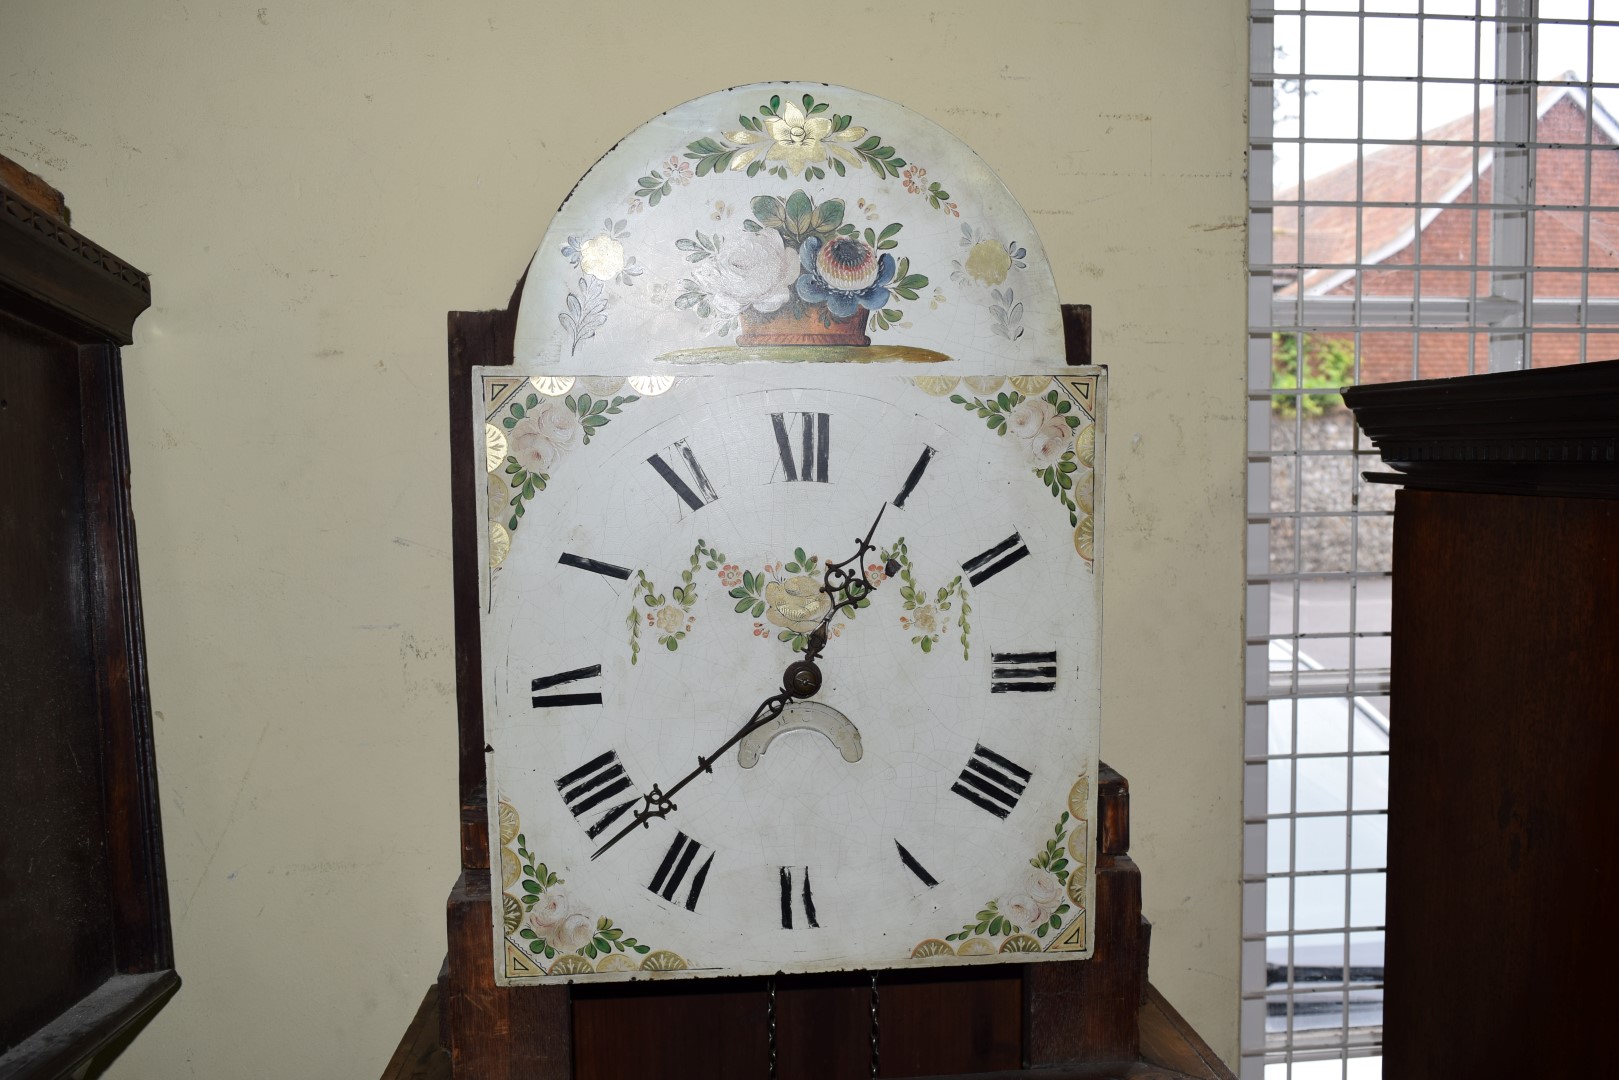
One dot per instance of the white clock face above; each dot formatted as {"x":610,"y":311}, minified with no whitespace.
{"x":930,"y":801}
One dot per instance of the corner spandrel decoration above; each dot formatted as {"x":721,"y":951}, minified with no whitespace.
{"x":789,"y":222}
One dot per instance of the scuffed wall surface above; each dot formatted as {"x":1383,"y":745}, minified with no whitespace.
{"x":313,"y":185}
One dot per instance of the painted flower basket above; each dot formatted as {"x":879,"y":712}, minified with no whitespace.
{"x":802,"y":324}
{"x":798,"y":274}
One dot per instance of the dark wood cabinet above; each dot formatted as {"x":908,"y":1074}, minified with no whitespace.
{"x":84,"y":920}
{"x":1503,"y":869}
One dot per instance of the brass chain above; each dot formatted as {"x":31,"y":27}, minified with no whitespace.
{"x":770,"y":1015}
{"x":873,"y":1023}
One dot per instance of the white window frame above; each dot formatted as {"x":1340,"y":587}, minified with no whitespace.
{"x":1505,"y":309}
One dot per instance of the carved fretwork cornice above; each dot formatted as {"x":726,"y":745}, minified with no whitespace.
{"x":46,"y":260}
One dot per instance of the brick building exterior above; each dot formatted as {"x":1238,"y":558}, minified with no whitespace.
{"x":1457,"y":232}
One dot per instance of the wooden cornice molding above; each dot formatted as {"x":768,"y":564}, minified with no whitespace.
{"x":1545,"y":431}
{"x":45,"y":260}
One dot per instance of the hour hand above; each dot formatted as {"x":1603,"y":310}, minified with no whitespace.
{"x":658,"y":805}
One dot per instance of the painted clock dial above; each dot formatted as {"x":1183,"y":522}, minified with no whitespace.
{"x":657,"y":556}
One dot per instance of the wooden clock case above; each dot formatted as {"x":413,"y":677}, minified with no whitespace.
{"x":84,"y":912}
{"x":1084,"y":1015}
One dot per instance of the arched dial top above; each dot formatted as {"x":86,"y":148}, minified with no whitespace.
{"x":789,"y":222}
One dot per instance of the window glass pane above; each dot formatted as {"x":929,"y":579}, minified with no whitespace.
{"x":1278,"y":893}
{"x":1319,"y":902}
{"x":1369,"y":842}
{"x":1323,"y":729}
{"x":1278,"y":850}
{"x":1561,"y":47}
{"x":1371,"y":724}
{"x":1319,"y":958}
{"x":1329,"y":551}
{"x":1322,"y":785}
{"x":1281,"y":787}
{"x":1391,"y":46}
{"x":1322,"y":844}
{"x":1366,"y":899}
{"x":1447,"y":50}
{"x":1331,"y":45}
{"x":1371,"y":783}
{"x":1390,"y":110}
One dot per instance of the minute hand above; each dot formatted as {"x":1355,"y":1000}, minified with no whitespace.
{"x":659,"y":803}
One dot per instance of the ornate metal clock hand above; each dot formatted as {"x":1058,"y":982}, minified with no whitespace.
{"x":854,"y":588}
{"x":801,"y":680}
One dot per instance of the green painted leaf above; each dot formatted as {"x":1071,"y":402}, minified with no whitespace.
{"x":799,"y":212}
{"x":829,"y":215}
{"x":758,"y":609}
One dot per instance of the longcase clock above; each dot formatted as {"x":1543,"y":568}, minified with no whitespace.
{"x":787,"y":603}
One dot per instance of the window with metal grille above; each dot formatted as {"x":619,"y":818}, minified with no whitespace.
{"x":1434,"y":191}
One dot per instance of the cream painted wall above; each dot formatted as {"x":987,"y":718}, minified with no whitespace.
{"x":312,"y":185}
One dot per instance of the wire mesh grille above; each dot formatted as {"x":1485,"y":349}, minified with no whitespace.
{"x":1434,"y":191}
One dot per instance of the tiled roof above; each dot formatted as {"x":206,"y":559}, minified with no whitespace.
{"x":1390,"y":175}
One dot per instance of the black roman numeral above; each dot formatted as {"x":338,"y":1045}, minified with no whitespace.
{"x":991,"y":782}
{"x":806,"y":899}
{"x":917,"y":470}
{"x":551,"y":700}
{"x":597,"y":786}
{"x":672,"y":871}
{"x":806,"y":461}
{"x":980,"y":568}
{"x":915,"y":867}
{"x":605,"y":569}
{"x":696,"y":499}
{"x":1023,"y":672}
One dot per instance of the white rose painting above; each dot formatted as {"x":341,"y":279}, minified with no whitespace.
{"x":751,"y":271}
